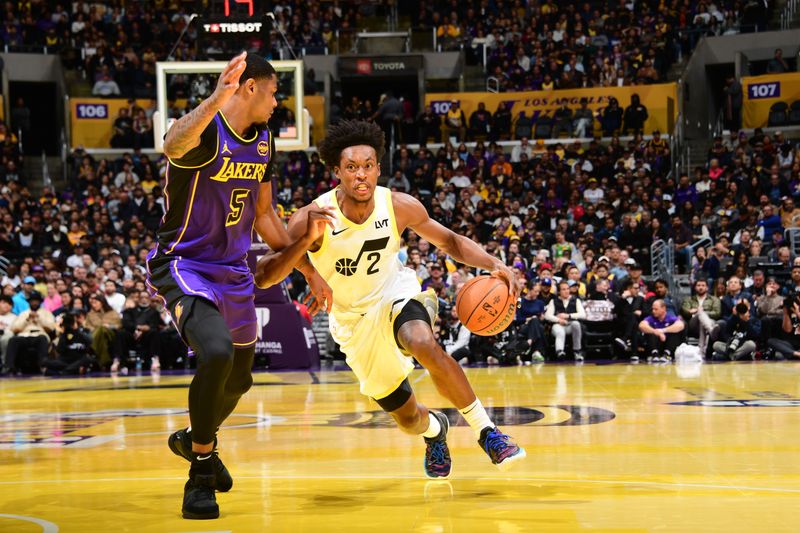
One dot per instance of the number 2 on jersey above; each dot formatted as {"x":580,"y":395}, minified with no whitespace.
{"x":238,"y":197}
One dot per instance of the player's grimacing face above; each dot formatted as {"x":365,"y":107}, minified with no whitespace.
{"x":358,"y":171}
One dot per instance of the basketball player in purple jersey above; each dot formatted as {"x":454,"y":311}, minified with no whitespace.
{"x":381,"y":317}
{"x":217,"y":190}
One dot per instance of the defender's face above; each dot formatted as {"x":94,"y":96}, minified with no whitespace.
{"x":358,"y":171}
{"x":263,"y":97}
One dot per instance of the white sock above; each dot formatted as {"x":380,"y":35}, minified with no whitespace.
{"x":434,"y":427}
{"x":476,"y":417}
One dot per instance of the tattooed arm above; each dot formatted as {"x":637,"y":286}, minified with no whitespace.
{"x":185,"y":133}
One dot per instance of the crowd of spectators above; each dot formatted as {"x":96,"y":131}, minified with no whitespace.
{"x":574,"y":221}
{"x":530,"y":45}
{"x":565,"y":45}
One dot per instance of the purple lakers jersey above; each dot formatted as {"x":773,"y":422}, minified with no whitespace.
{"x":211,"y":195}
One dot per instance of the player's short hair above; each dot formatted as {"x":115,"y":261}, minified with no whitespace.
{"x":257,"y":68}
{"x":347,"y":133}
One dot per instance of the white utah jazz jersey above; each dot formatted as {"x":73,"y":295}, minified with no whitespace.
{"x":360,"y":261}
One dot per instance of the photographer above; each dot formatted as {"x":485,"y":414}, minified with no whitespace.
{"x":73,"y":349}
{"x":453,"y":336}
{"x":789,"y":343}
{"x":741,"y":333}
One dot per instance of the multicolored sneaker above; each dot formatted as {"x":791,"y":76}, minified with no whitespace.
{"x":500,"y":448}
{"x":180,"y":443}
{"x":437,"y":454}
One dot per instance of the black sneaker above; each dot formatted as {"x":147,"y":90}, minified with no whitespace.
{"x":180,"y":443}
{"x":199,"y":500}
{"x":621,"y":344}
{"x":437,"y":454}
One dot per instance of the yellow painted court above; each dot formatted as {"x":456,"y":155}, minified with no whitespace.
{"x":610,"y":448}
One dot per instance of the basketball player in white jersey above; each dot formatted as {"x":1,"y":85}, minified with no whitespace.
{"x":379,"y":315}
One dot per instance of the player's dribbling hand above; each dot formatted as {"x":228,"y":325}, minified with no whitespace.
{"x":317,"y":219}
{"x":228,"y":81}
{"x":506,"y":274}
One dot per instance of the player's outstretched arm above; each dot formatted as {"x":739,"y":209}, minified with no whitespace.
{"x":410,"y":213}
{"x":270,"y":227}
{"x":185,"y":133}
{"x":306,"y":227}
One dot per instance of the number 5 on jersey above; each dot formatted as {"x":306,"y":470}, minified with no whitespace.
{"x":238,"y":197}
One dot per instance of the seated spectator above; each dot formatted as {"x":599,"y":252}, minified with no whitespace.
{"x":663,"y":333}
{"x":769,"y":309}
{"x":628,"y":311}
{"x":7,"y":319}
{"x":523,"y":126}
{"x":480,"y":123}
{"x":399,"y":181}
{"x":106,"y":86}
{"x":139,"y":334}
{"x":455,"y":123}
{"x":22,"y":298}
{"x":524,"y":147}
{"x":562,"y":121}
{"x":73,"y":349}
{"x":660,"y":292}
{"x":102,"y":323}
{"x":740,"y":334}
{"x":584,"y":120}
{"x":635,"y":116}
{"x":28,"y":348}
{"x":123,"y":135}
{"x":701,"y":312}
{"x":565,"y":313}
{"x":611,"y":117}
{"x":777,"y":65}
{"x":528,"y":320}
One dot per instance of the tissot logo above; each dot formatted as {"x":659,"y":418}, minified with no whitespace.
{"x":233,"y":27}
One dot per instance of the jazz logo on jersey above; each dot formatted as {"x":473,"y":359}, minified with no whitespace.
{"x":347,"y":267}
{"x":225,"y":149}
{"x":239,"y":170}
{"x":263,"y":148}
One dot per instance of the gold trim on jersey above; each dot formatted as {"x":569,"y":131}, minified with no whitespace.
{"x":213,"y":157}
{"x":188,"y":214}
{"x":233,"y":131}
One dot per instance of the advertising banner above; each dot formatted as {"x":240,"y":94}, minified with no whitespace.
{"x":660,"y":101}
{"x":284,"y":335}
{"x":92,"y":119}
{"x":406,"y":65}
{"x":762,"y":92}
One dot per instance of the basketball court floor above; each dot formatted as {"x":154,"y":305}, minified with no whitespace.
{"x":610,"y":448}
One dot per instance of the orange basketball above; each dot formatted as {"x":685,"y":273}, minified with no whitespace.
{"x":485,"y":306}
